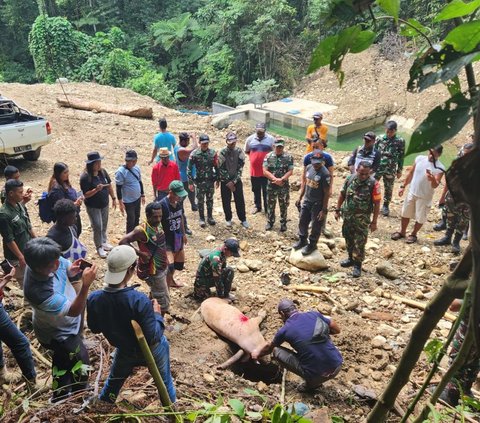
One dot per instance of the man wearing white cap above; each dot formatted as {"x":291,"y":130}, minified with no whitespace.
{"x":110,"y":311}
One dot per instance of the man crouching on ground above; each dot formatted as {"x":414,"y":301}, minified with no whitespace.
{"x":316,"y":359}
{"x":110,"y":312}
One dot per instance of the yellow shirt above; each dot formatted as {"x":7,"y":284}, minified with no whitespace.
{"x":312,"y":131}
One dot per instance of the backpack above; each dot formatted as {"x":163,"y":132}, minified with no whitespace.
{"x":45,"y":210}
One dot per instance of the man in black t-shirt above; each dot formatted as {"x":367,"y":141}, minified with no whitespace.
{"x":174,"y":229}
{"x":315,"y":192}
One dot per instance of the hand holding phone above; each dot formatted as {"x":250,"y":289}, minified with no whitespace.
{"x":84,"y":264}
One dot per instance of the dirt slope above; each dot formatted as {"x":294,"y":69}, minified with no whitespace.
{"x":195,"y":351}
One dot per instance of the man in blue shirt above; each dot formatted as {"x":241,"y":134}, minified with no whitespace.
{"x":57,"y":310}
{"x":316,"y":359}
{"x":163,"y":139}
{"x":111,"y":310}
{"x":128,"y":181}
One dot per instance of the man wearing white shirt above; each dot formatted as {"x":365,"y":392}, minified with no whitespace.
{"x":424,"y":176}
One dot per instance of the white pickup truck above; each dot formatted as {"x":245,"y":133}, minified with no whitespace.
{"x":21,"y":133}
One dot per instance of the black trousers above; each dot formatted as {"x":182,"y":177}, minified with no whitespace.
{"x":133,"y":214}
{"x":66,"y":354}
{"x":259,"y":188}
{"x":237,"y":197}
{"x":309,"y":213}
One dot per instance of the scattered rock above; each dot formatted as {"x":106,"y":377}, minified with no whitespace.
{"x":387,"y":253}
{"x":379,"y":341}
{"x":419,"y":295}
{"x":352,"y":305}
{"x":254,"y":265}
{"x":425,"y":250}
{"x":243,"y":268}
{"x":439,"y":270}
{"x":312,"y":262}
{"x":371,"y":246}
{"x":318,"y":416}
{"x":262,"y":386}
{"x":385,"y":269}
{"x":209,"y":378}
{"x":340,"y":243}
{"x":387,"y":330}
{"x":243,"y":245}
{"x":369,"y":299}
{"x":379,"y":315}
{"x":325,"y":250}
{"x":210,"y":238}
{"x":329,"y":242}
{"x":377,"y":376}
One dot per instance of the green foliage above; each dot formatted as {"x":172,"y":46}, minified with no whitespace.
{"x":457,"y":9}
{"x":392,"y":7}
{"x":441,"y":124}
{"x":153,"y":84}
{"x":56,"y":47}
{"x":433,"y":349}
{"x":257,"y":92}
{"x":11,"y":71}
{"x":333,"y":49}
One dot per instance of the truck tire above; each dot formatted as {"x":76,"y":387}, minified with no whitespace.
{"x":32,"y":156}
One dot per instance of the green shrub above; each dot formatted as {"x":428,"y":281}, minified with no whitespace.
{"x":16,"y":72}
{"x":153,"y":84}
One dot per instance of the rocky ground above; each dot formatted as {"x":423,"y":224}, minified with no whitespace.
{"x":375,"y":329}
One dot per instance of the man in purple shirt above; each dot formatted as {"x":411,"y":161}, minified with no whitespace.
{"x":315,"y":358}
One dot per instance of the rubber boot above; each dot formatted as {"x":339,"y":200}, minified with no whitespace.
{"x":300,"y":243}
{"x":446,"y":240}
{"x":456,"y":242}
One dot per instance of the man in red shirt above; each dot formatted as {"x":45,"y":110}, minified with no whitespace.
{"x":164,"y":172}
{"x":257,"y":147}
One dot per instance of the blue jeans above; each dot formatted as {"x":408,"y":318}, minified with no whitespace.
{"x":123,"y":364}
{"x":18,"y":344}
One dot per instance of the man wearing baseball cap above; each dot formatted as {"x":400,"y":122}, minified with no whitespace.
{"x":173,"y":224}
{"x":164,"y":172}
{"x":315,"y":359}
{"x":110,"y":312}
{"x":316,"y":131}
{"x":277,"y":168}
{"x":258,"y":145}
{"x":213,"y":272}
{"x":365,"y":153}
{"x":231,"y":160}
{"x":130,"y":194}
{"x":204,"y":162}
{"x":315,"y":193}
{"x":392,"y":153}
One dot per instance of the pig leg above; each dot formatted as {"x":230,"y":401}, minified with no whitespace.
{"x":233,"y":359}
{"x":260,"y":318}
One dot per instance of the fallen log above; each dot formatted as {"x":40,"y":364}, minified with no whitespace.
{"x":416,"y":304}
{"x":306,"y":288}
{"x":91,"y":105}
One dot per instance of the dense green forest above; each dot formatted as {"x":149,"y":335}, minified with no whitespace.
{"x":177,"y":51}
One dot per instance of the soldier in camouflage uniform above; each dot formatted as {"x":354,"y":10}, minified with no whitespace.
{"x":204,"y":160}
{"x":359,"y":196}
{"x":392,"y":151}
{"x":464,"y":378}
{"x":457,"y":216}
{"x":277,"y":168}
{"x":214,"y":272}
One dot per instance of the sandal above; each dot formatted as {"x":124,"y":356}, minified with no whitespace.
{"x":397,"y":235}
{"x":412,"y":239}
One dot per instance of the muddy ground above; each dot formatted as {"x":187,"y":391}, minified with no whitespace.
{"x":374,"y":329}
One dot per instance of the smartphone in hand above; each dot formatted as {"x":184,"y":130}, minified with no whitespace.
{"x":6,"y":267}
{"x":84,"y":264}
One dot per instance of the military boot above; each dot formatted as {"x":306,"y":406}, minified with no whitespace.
{"x":300,"y":243}
{"x":446,"y":240}
{"x":357,"y":269}
{"x":441,"y":226}
{"x":210,"y":219}
{"x":283,"y":227}
{"x":348,"y":262}
{"x":385,"y":210}
{"x":201,"y":217}
{"x":309,"y":249}
{"x":456,"y":242}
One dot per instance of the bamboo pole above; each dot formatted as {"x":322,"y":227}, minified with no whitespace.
{"x":152,"y":366}
{"x":306,"y":288}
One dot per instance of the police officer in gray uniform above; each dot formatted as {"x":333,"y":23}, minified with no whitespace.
{"x":315,"y":192}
